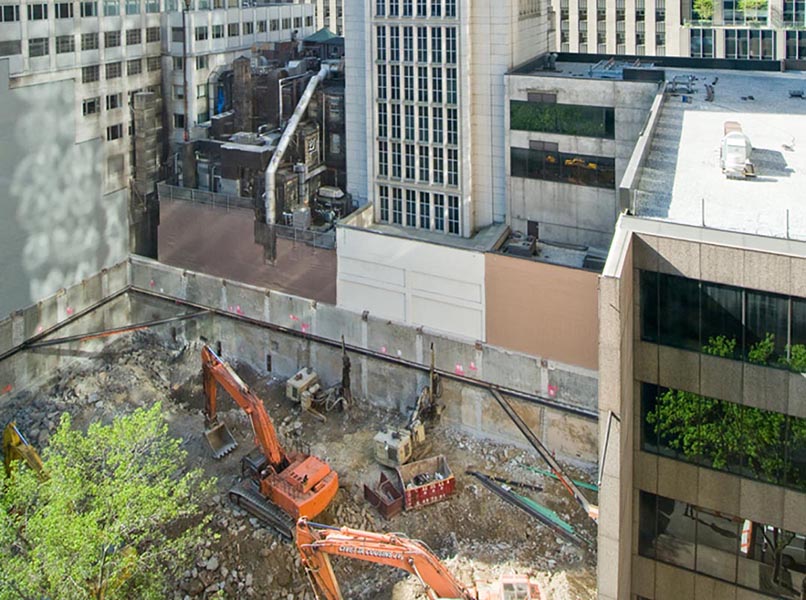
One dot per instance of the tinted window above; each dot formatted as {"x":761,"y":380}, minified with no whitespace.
{"x":569,"y":119}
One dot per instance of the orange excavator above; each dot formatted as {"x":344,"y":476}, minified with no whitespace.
{"x":277,"y":486}
{"x":316,"y":542}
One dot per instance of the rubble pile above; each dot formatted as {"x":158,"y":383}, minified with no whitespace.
{"x":477,"y":535}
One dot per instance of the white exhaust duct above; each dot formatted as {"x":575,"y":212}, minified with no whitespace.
{"x":288,"y":133}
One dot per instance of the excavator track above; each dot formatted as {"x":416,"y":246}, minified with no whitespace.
{"x":246,"y":496}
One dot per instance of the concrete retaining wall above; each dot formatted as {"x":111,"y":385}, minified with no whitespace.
{"x":388,"y":383}
{"x":68,"y":312}
{"x":270,"y":325}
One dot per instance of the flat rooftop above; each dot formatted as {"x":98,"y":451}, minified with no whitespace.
{"x":682,"y":180}
{"x":485,"y":239}
{"x":601,"y":69}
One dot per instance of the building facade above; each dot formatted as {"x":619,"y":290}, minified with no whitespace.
{"x":70,"y":73}
{"x":215,"y":38}
{"x":764,"y":30}
{"x":425,"y":121}
{"x":570,"y":136}
{"x":330,"y":14}
{"x":701,"y":356}
{"x":704,"y":493}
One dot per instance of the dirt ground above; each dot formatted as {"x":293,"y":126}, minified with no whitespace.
{"x":476,"y":534}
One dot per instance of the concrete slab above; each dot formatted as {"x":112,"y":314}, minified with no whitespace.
{"x":683,"y":181}
{"x":221,"y":242}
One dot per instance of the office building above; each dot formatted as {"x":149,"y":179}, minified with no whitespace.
{"x":215,"y":39}
{"x":330,"y":14}
{"x":69,"y":75}
{"x":572,"y":127}
{"x":702,"y":314}
{"x":425,"y":120}
{"x":705,"y":29}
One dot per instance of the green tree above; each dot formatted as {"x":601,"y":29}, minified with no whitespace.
{"x":730,"y":436}
{"x":797,"y":358}
{"x":703,"y":10}
{"x":752,"y":5}
{"x":761,"y":352}
{"x":117,"y":516}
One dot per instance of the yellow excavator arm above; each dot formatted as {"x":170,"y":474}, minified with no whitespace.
{"x":16,"y":447}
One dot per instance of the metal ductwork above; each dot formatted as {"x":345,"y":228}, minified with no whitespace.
{"x":288,"y":133}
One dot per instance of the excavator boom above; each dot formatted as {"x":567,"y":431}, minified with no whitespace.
{"x":216,"y":371}
{"x":16,"y":447}
{"x":316,"y":542}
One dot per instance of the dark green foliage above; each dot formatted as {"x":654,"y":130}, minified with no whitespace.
{"x":729,"y":436}
{"x":568,"y":119}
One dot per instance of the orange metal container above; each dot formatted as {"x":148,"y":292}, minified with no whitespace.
{"x":304,"y":488}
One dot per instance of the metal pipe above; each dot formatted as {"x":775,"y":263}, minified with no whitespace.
{"x":71,"y":319}
{"x":290,"y":129}
{"x":81,"y":337}
{"x":185,"y":71}
{"x":518,"y":501}
{"x":591,"y":509}
{"x":280,"y":83}
{"x":610,"y":417}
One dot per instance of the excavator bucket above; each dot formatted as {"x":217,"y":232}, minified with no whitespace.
{"x":220,"y":440}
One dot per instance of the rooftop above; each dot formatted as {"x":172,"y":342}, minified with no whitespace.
{"x":483,"y":240}
{"x":601,"y":69}
{"x":681,"y":180}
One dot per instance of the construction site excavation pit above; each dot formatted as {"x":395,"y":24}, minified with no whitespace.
{"x":476,"y":535}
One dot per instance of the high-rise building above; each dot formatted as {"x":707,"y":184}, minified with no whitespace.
{"x":702,"y":316}
{"x":425,"y":116}
{"x":702,"y":29}
{"x":69,"y":72}
{"x":330,"y":14}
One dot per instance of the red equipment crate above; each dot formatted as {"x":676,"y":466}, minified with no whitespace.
{"x":426,"y":481}
{"x":386,"y":498}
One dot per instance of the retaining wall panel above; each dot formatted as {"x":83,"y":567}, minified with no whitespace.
{"x":391,"y":338}
{"x":573,"y":388}
{"x":117,"y":277}
{"x":245,"y":301}
{"x":512,"y":370}
{"x":203,"y":289}
{"x":331,"y":322}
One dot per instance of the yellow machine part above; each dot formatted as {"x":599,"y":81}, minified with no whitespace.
{"x":16,"y":447}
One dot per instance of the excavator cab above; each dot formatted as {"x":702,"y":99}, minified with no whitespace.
{"x":277,"y":486}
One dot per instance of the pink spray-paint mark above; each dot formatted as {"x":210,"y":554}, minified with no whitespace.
{"x":552,"y":390}
{"x":472,"y":366}
{"x":69,"y":310}
{"x":383,"y":349}
{"x":238,"y":309}
{"x":304,"y":327}
{"x":293,"y":317}
{"x":460,"y":370}
{"x":152,"y":283}
{"x":40,"y":329}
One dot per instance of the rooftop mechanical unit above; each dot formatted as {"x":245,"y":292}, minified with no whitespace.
{"x":523,"y":246}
